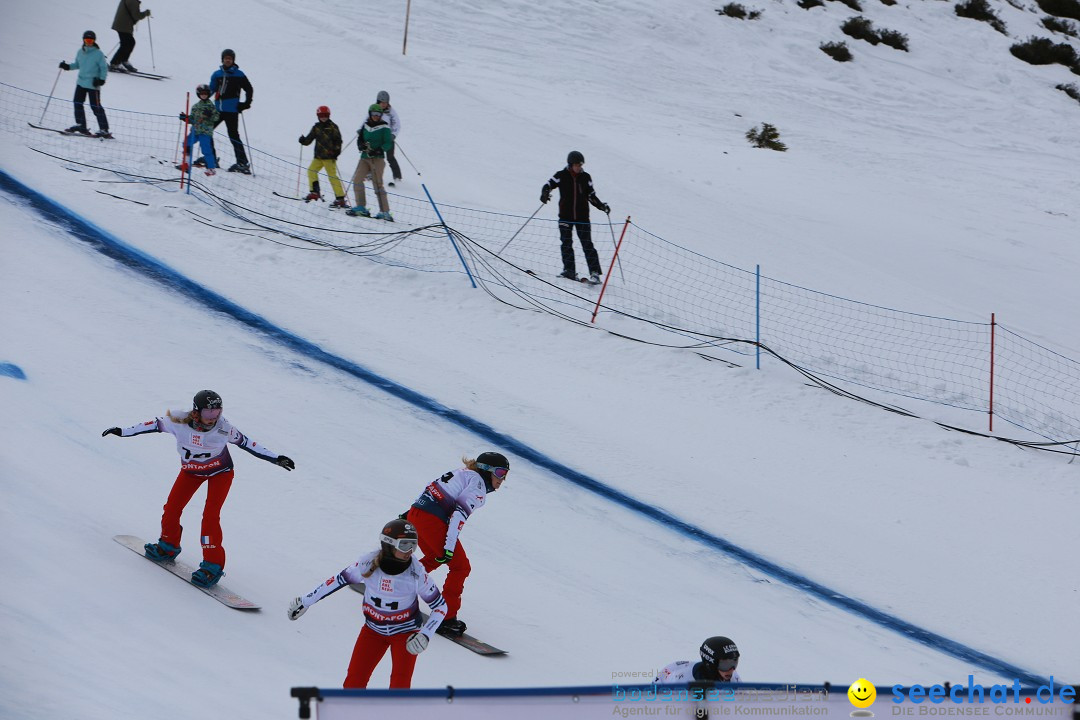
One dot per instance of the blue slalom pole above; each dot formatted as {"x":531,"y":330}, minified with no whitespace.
{"x":757,"y":313}
{"x":449,"y":235}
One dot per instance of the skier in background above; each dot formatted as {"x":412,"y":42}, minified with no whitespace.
{"x":719,"y":658}
{"x":128,"y":14}
{"x":575,"y":195}
{"x":90,"y":62}
{"x":327,"y":138}
{"x":393,"y":579}
{"x":373,"y":139}
{"x":439,"y":515}
{"x":227,"y":83}
{"x":203,"y":116}
{"x":202,"y":439}
{"x":389,"y":114}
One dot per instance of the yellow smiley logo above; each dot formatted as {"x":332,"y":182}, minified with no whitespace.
{"x":862,"y":693}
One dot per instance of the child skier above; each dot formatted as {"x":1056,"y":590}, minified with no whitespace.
{"x":392,"y":579}
{"x":203,"y":117}
{"x":373,"y":139}
{"x":439,"y":514}
{"x":202,"y":438}
{"x":93,"y":69}
{"x":327,"y":138}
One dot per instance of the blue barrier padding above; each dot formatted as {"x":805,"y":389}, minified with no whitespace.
{"x":112,"y":247}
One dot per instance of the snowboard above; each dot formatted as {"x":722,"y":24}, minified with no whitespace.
{"x":183,"y":570}
{"x":466,"y":640}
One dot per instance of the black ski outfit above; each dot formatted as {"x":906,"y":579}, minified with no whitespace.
{"x":575,"y":195}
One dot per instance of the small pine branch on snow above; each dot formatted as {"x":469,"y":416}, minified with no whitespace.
{"x":768,"y":137}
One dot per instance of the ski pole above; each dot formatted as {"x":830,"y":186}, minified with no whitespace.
{"x":150,"y":30}
{"x":50,"y":96}
{"x":299,"y":165}
{"x":520,"y":229}
{"x":616,"y":245}
{"x":398,"y":146}
{"x":251,"y":165}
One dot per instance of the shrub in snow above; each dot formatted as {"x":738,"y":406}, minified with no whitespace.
{"x":738,"y":11}
{"x":980,"y":10}
{"x":768,"y":137}
{"x":1061,"y":8}
{"x":1044,"y":51}
{"x":807,"y":4}
{"x":1071,"y":90}
{"x":838,"y":51}
{"x":894,"y":39}
{"x":861,"y":29}
{"x":1056,"y":25}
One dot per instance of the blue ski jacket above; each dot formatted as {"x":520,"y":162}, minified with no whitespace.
{"x":90,"y":62}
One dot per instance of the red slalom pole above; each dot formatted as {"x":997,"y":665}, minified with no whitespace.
{"x":993,"y":328}
{"x":610,"y":267}
{"x":184,"y":155}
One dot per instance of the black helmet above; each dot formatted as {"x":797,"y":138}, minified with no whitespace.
{"x":203,"y":89}
{"x":383,"y":96}
{"x":488,"y":463}
{"x":400,"y":534}
{"x":229,"y":52}
{"x":574,"y":157}
{"x":721,"y":653}
{"x":206,"y":400}
{"x":89,"y":34}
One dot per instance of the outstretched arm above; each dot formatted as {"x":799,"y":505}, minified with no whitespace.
{"x":150,"y":426}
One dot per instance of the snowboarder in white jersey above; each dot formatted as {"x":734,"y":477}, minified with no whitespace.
{"x":393,"y":580}
{"x":719,"y":658}
{"x":439,"y":514}
{"x":202,"y":439}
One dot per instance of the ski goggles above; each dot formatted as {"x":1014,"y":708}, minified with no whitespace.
{"x":727,"y":665}
{"x":405,"y":545}
{"x":499,"y":472}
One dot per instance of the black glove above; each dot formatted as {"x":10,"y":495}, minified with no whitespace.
{"x":545,"y":196}
{"x":112,"y":431}
{"x":183,"y":116}
{"x":98,"y":82}
{"x":285,"y":462}
{"x":64,"y":65}
{"x":446,"y":557}
{"x":302,"y":139}
{"x":606,"y":208}
{"x":244,"y":106}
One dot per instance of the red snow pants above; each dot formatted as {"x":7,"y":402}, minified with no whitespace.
{"x":217,"y":489}
{"x":432,"y":532}
{"x":369,"y":650}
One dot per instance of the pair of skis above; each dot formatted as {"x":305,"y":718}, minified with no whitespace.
{"x":227,"y":597}
{"x":582,"y":280}
{"x":69,"y":134}
{"x":139,"y":73}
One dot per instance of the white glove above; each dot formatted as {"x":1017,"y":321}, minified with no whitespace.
{"x":417,"y":643}
{"x":296,"y":608}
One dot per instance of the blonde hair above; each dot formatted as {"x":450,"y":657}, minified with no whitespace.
{"x":374,"y":564}
{"x":180,"y":419}
{"x":470,"y":463}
